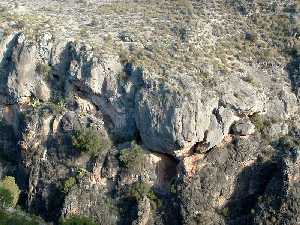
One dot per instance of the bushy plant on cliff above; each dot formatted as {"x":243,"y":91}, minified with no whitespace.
{"x":57,"y":105}
{"x":88,"y":140}
{"x":78,"y":220}
{"x":9,"y":184}
{"x":260,"y":122}
{"x":138,"y":190}
{"x":18,"y":218}
{"x":6,"y":198}
{"x":155,"y":200}
{"x":69,"y":184}
{"x":132,"y":159}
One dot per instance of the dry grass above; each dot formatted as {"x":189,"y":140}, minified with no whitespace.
{"x":190,"y":37}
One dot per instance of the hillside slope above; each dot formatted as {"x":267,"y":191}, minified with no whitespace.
{"x":161,"y":112}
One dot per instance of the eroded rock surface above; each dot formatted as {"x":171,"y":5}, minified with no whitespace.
{"x":214,"y":129}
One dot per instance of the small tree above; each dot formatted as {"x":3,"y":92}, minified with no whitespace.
{"x":9,"y":184}
{"x":69,"y":184}
{"x":78,"y":220}
{"x":138,"y":190}
{"x":89,"y":140}
{"x":18,"y":217}
{"x":6,"y":198}
{"x":132,"y":159}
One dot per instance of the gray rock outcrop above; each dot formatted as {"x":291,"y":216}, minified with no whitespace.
{"x":49,"y":89}
{"x":243,"y":128}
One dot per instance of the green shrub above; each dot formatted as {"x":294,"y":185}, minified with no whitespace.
{"x":260,"y":122}
{"x":6,"y":198}
{"x":89,"y":141}
{"x":138,"y":190}
{"x":36,"y":103}
{"x":18,"y":218}
{"x":9,"y":184}
{"x":80,"y":172}
{"x":57,"y":105}
{"x":132,"y":159}
{"x":225,"y":212}
{"x":155,"y":201}
{"x":68,"y":184}
{"x":78,"y":220}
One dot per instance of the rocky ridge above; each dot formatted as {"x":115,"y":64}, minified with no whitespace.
{"x":222,"y":153}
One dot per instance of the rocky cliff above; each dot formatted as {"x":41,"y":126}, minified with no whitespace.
{"x":198,"y":124}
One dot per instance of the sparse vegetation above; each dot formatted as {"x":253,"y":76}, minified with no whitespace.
{"x":10,"y":185}
{"x":138,"y":190}
{"x":288,"y":142}
{"x":173,"y":44}
{"x":18,"y":218}
{"x":80,"y":172}
{"x":44,"y":70}
{"x":69,"y":184}
{"x":6,"y":198}
{"x":57,"y":105}
{"x":78,"y":220}
{"x":83,"y":33}
{"x":132,"y":159}
{"x":35,"y":103}
{"x":187,"y":4}
{"x":260,"y":122}
{"x":88,"y":140}
{"x":225,"y":212}
{"x":155,"y":201}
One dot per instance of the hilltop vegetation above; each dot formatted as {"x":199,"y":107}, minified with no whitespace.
{"x":177,"y":112}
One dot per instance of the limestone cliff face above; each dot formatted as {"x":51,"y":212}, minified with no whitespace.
{"x":183,"y":112}
{"x":214,"y":154}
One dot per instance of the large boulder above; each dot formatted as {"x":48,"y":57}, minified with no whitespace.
{"x":170,"y":119}
{"x":177,"y":116}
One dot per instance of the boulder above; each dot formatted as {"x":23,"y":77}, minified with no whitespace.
{"x":170,"y":118}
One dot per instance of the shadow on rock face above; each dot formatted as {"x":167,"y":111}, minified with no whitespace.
{"x":5,"y":65}
{"x":49,"y":206}
{"x":293,"y":68}
{"x":259,"y":192}
{"x":8,"y":143}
